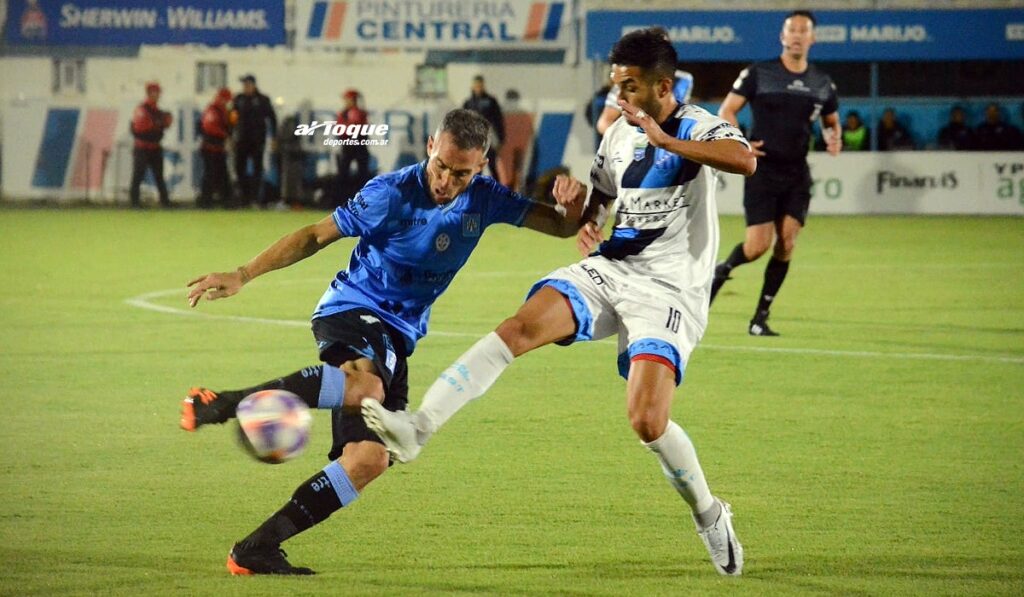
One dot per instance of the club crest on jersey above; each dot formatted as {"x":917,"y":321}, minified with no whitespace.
{"x":470,"y":225}
{"x":639,"y":150}
{"x":442,"y":242}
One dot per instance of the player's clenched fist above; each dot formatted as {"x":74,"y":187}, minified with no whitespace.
{"x":216,"y":286}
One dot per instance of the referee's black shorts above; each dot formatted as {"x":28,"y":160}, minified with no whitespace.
{"x":358,"y":334}
{"x":777,"y":190}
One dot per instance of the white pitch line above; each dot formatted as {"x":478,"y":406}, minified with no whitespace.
{"x":144,"y":301}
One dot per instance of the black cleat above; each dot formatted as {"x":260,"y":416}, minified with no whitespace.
{"x":721,"y":276}
{"x":203,"y":407}
{"x":246,"y":561}
{"x":759,"y":325}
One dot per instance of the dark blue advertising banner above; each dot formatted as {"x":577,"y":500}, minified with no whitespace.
{"x":137,"y":22}
{"x":846,"y":35}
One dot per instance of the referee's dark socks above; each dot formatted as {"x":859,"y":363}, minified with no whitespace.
{"x":319,"y":386}
{"x":774,"y":274}
{"x":312,"y":503}
{"x":737,"y":257}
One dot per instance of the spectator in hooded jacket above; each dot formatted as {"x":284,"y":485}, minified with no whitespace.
{"x":147,"y":126}
{"x":215,"y":127}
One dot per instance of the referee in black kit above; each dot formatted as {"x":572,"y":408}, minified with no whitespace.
{"x":786,"y":96}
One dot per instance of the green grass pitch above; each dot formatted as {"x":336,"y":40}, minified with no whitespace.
{"x":876,"y":448}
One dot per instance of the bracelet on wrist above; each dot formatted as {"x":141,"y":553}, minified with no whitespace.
{"x":244,"y":274}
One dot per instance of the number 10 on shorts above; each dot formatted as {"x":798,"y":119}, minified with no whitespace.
{"x":673,"y":320}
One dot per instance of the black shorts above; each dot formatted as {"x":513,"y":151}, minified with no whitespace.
{"x":775,"y":191}
{"x":359,"y":334}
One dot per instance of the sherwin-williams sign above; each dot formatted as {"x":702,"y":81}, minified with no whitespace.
{"x":137,"y":22}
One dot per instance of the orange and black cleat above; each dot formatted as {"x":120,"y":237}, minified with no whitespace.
{"x":202,"y":407}
{"x":247,"y":561}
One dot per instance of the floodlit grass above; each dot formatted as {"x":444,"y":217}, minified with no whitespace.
{"x":875,"y":448}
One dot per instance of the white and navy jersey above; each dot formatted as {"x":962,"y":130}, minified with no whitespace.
{"x":785,"y":105}
{"x":666,"y":220}
{"x":682,"y":89}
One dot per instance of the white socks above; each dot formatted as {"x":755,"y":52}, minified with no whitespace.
{"x":467,"y":378}
{"x":679,"y":462}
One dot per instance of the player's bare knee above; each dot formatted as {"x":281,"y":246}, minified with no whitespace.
{"x":755,"y":247}
{"x":515,"y":334}
{"x":648,"y":423}
{"x":784,"y":247}
{"x":364,"y":461}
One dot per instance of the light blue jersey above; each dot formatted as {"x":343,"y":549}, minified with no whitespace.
{"x":409,"y":247}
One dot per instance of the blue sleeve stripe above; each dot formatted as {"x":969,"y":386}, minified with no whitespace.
{"x":341,"y":483}
{"x":580,"y":310}
{"x":655,"y":347}
{"x":332,"y":387}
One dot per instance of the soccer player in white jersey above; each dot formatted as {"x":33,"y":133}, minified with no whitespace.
{"x":648,"y":283}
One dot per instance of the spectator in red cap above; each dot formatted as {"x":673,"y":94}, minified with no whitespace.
{"x":147,"y":126}
{"x":215,"y":128}
{"x":352,"y":114}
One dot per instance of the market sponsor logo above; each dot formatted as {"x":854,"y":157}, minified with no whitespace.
{"x":1015,"y":32}
{"x":889,"y":180}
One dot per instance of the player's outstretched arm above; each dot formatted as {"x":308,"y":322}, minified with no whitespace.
{"x":564,"y":218}
{"x":292,"y":248}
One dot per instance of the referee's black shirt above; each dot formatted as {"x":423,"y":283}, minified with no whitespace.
{"x":785,"y":106}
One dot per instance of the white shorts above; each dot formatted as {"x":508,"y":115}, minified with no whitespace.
{"x":654,"y":320}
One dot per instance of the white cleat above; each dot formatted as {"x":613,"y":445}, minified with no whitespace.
{"x":397,"y":429}
{"x":720,"y":539}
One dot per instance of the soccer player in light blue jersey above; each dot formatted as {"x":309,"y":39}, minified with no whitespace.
{"x":416,"y":227}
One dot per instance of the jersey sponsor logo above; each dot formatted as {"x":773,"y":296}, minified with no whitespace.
{"x":357,"y":204}
{"x":410,"y":222}
{"x":798,"y":85}
{"x":442,"y":242}
{"x":471,"y":225}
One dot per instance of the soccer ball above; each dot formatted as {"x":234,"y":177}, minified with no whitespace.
{"x":273,"y":425}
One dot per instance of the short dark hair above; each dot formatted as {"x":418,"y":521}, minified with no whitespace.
{"x":803,"y":13}
{"x":648,"y":49}
{"x":468,"y":129}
